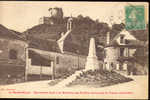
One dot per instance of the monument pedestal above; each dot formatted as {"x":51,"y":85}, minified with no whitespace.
{"x":92,"y":63}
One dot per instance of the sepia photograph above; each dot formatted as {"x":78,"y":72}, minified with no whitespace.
{"x":76,"y":50}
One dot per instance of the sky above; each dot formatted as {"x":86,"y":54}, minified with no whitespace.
{"x":23,"y":15}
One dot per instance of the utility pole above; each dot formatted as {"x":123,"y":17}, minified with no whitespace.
{"x":78,"y":58}
{"x":78,"y":62}
{"x":54,"y":65}
{"x":26,"y":58}
{"x":27,"y":64}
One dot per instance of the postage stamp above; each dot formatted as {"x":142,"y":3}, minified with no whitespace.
{"x":135,"y":17}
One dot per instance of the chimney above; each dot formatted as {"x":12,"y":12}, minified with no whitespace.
{"x":108,"y":38}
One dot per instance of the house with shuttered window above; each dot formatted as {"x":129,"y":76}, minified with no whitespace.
{"x":120,"y":51}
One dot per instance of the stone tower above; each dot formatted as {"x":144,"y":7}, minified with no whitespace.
{"x":55,"y":16}
{"x":92,"y":61}
{"x":56,"y":12}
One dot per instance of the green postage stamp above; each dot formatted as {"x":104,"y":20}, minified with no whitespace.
{"x":135,"y":17}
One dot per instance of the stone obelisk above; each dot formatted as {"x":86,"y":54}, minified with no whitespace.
{"x":92,"y":61}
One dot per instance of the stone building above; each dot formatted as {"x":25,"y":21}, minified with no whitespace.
{"x":12,"y":47}
{"x":119,"y":51}
{"x":55,"y":16}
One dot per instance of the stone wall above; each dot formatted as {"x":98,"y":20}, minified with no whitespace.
{"x":112,"y":54}
{"x":7,"y":45}
{"x":46,"y":20}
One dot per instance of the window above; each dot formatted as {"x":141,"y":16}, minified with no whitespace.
{"x":121,"y":39}
{"x":12,"y":54}
{"x":121,"y":51}
{"x":112,"y":65}
{"x":126,"y":41}
{"x":57,"y":60}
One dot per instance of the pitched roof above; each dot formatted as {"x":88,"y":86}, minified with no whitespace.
{"x":135,"y":42}
{"x":129,"y":42}
{"x":42,"y":44}
{"x":9,"y":34}
{"x":141,"y":35}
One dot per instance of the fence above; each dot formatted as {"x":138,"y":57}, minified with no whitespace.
{"x":44,"y":70}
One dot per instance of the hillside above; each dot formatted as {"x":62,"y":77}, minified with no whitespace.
{"x":46,"y":31}
{"x":9,"y":34}
{"x":83,"y":29}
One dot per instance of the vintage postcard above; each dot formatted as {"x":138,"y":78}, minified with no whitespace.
{"x":77,"y":50}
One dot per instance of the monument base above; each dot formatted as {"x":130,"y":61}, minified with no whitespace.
{"x":92,"y":63}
